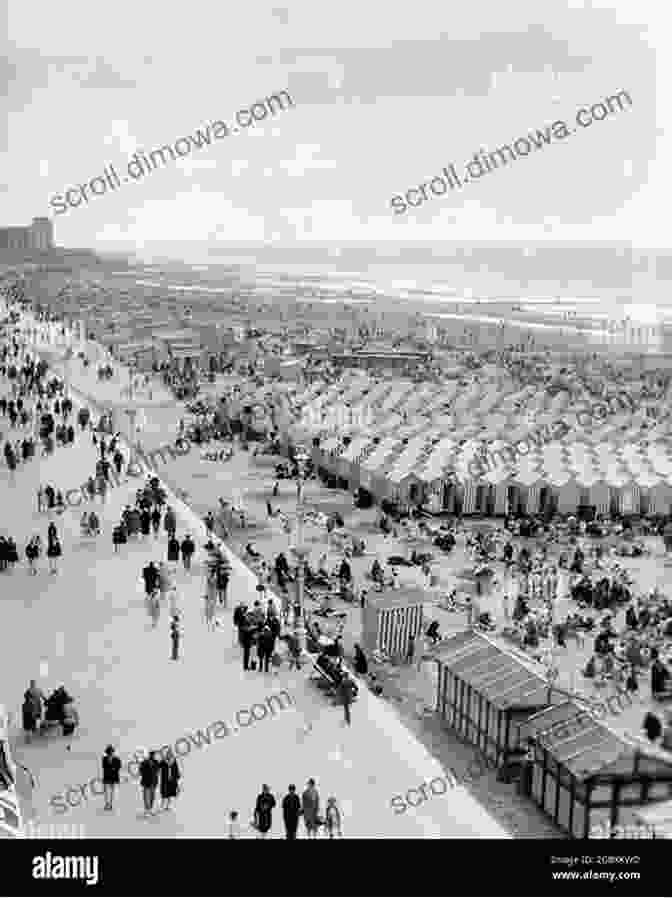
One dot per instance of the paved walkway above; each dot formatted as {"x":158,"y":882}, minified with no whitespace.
{"x":87,"y":628}
{"x":158,"y":411}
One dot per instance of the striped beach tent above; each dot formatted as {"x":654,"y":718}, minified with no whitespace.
{"x":599,"y":495}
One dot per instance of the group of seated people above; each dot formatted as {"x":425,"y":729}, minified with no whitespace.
{"x":444,"y":541}
{"x":654,"y":614}
{"x":602,"y":594}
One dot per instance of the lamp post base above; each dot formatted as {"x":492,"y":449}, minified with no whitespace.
{"x":300,"y":554}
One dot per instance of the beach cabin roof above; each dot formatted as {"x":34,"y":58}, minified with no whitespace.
{"x":492,"y":672}
{"x":586,"y":747}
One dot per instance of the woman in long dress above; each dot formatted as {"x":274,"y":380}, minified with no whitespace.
{"x":170,"y":776}
{"x":211,"y":599}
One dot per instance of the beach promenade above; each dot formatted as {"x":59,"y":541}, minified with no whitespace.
{"x":87,"y":628}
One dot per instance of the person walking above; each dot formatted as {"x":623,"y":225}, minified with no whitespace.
{"x":188,"y":547}
{"x":145,"y":522}
{"x":294,"y":648}
{"x":31,"y":710}
{"x":239,"y":613}
{"x":164,"y":580}
{"x":310,"y":808}
{"x":345,"y":695}
{"x":223,"y":573}
{"x":361,"y":664}
{"x":156,"y":520}
{"x":209,"y":612}
{"x":149,"y":780}
{"x":332,"y":818}
{"x":154,"y":608}
{"x":54,"y":552}
{"x":175,"y":637}
{"x":111,"y":768}
{"x":291,"y":811}
{"x":265,"y":648}
{"x":209,"y":521}
{"x":150,"y":575}
{"x":170,"y":776}
{"x":263,"y":811}
{"x":246,"y":641}
{"x":173,"y":549}
{"x":170,"y":522}
{"x":652,"y":727}
{"x":33,"y":553}
{"x":234,"y":825}
{"x":506,"y":607}
{"x":173,"y":602}
{"x":118,"y":460}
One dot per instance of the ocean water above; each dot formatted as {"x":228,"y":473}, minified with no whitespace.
{"x":595,"y":282}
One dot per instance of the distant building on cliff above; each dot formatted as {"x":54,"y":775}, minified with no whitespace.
{"x":38,"y":235}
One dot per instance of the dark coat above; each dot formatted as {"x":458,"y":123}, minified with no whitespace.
{"x":266,"y":643}
{"x":659,"y":677}
{"x":291,"y":809}
{"x":151,"y":577}
{"x":149,"y":774}
{"x":111,"y":768}
{"x":170,"y":777}
{"x":262,"y":811}
{"x":119,"y":536}
{"x":173,"y":550}
{"x":652,"y":726}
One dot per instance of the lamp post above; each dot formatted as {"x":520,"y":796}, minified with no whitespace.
{"x":131,"y":412}
{"x":300,"y":552}
{"x":131,"y":372}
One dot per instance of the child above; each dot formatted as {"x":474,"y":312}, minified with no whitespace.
{"x":333,"y":819}
{"x":234,"y":826}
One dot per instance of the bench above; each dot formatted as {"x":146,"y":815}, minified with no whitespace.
{"x":326,"y":678}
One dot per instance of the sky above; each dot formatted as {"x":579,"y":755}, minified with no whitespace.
{"x":384,"y":95}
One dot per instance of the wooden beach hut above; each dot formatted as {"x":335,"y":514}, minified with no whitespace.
{"x":485,"y":693}
{"x":585,"y":776}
